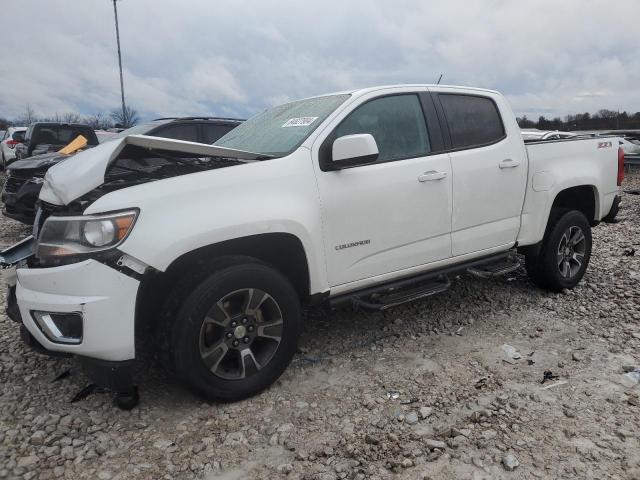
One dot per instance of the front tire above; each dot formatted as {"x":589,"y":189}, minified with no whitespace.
{"x":237,"y":331}
{"x":565,"y":252}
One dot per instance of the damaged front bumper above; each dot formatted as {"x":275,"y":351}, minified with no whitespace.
{"x":86,"y":309}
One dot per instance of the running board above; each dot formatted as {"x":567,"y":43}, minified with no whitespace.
{"x":396,"y":292}
{"x":385,"y":301}
{"x":497,"y":269}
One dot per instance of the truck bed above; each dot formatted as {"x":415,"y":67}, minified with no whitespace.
{"x":555,"y":165}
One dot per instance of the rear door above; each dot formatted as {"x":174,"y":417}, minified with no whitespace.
{"x":489,"y":170}
{"x":395,"y":213}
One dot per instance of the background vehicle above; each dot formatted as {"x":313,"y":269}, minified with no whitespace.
{"x":372,"y":198}
{"x":629,"y":146}
{"x":13,"y":136}
{"x":192,"y":129}
{"x":43,"y":137}
{"x":537,"y":135}
{"x":104,"y":135}
{"x":24,"y":178}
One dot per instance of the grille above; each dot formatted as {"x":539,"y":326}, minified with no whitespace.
{"x":13,"y":184}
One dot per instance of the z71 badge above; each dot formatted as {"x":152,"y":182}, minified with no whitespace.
{"x":605,"y":144}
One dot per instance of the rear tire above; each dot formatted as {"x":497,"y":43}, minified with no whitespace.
{"x":236,"y":332}
{"x":564,"y":254}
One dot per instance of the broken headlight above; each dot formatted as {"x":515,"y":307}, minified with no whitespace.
{"x":65,"y":236}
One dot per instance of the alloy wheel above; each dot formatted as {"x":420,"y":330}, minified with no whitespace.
{"x":241,"y":333}
{"x":571,"y":251}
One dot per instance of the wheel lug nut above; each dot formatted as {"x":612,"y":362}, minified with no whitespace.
{"x":235,"y":343}
{"x":245,"y":320}
{"x":251,"y":328}
{"x":229,"y":334}
{"x":246,"y":340}
{"x":234,"y":324}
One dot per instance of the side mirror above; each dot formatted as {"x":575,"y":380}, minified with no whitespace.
{"x":352,"y":150}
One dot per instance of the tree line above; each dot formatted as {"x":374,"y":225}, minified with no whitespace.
{"x":601,"y":120}
{"x":98,"y":121}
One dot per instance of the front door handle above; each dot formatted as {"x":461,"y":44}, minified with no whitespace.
{"x":508,"y":163}
{"x":431,"y":175}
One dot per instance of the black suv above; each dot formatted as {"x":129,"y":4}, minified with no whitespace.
{"x":25,"y":177}
{"x":43,"y":137}
{"x":192,"y":129}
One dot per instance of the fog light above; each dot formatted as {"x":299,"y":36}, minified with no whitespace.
{"x":60,"y":327}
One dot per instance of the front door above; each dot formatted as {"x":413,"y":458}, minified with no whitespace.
{"x":394,"y":213}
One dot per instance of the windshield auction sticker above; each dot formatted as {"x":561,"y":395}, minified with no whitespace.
{"x":299,"y":122}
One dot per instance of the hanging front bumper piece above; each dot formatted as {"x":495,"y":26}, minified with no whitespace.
{"x":18,"y":253}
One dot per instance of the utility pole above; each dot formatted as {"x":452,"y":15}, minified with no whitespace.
{"x":124,"y":109}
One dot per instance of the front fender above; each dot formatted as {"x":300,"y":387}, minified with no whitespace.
{"x":182,"y":214}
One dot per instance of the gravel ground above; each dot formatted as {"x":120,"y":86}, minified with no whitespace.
{"x":423,"y":391}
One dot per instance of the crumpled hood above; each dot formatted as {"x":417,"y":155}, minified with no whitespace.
{"x":37,"y":161}
{"x":71,"y":179}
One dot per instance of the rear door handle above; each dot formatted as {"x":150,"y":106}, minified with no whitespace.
{"x":508,"y":163}
{"x":431,"y":175}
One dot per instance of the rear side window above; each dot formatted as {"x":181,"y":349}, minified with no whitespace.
{"x":473,"y":121}
{"x":396,"y":122}
{"x":18,"y":136}
{"x":187,"y":132}
{"x":213,"y":133}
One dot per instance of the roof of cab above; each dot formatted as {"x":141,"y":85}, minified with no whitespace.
{"x":363,"y":91}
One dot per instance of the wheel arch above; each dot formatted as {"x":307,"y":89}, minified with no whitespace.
{"x":282,"y":251}
{"x":583,"y":198}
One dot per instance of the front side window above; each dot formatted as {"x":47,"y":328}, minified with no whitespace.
{"x":473,"y":120}
{"x":396,"y":123}
{"x":278,"y":131}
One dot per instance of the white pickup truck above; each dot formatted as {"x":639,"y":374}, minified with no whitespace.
{"x":371,"y":197}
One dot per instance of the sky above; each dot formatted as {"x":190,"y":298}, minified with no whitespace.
{"x":235,"y":58}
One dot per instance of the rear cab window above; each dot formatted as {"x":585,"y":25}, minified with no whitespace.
{"x":473,"y":120}
{"x":62,"y":134}
{"x":68,"y":134}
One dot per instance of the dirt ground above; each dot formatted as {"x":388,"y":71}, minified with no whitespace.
{"x":423,"y":391}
